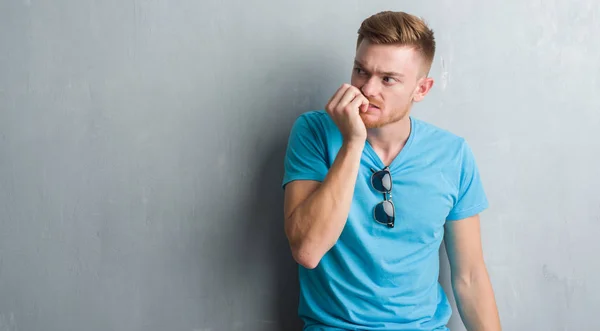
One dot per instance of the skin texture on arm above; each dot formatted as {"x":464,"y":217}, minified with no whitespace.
{"x":470,"y":280}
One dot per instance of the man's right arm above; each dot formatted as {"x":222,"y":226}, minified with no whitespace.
{"x":315,"y":213}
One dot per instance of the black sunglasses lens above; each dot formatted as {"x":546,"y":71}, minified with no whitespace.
{"x":382,"y":181}
{"x":384,"y":212}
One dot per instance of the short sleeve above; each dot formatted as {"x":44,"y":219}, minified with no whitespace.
{"x":305,"y":156}
{"x":471,"y":199}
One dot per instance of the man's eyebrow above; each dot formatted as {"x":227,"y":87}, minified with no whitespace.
{"x":385,"y":73}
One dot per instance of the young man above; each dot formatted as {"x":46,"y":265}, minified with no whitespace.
{"x":370,"y":192}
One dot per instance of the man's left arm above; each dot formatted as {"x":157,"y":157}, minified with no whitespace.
{"x":470,"y":281}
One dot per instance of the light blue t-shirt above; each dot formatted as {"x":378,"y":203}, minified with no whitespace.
{"x":375,"y":277}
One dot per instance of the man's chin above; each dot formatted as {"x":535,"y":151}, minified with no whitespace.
{"x":372,"y":122}
{"x":373,"y":125}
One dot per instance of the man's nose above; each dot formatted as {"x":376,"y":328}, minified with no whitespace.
{"x":370,"y":88}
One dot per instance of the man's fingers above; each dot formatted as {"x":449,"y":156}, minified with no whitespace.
{"x":335,"y":99}
{"x":350,"y":95}
{"x":357,"y":103}
{"x":364,"y":106}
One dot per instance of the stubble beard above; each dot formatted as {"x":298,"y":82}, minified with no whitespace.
{"x":394,"y":117}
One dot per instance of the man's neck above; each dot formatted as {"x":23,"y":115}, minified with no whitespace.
{"x":388,"y":141}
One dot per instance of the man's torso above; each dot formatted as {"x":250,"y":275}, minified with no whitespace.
{"x":380,"y":278}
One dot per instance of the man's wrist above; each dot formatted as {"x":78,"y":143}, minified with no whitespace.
{"x":354,"y":145}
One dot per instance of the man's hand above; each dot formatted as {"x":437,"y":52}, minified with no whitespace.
{"x":344,"y":107}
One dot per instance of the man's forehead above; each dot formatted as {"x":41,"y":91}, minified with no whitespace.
{"x":387,"y":58}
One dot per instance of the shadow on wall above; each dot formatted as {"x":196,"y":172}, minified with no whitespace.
{"x":269,"y":210}
{"x":297,"y":84}
{"x":264,"y":233}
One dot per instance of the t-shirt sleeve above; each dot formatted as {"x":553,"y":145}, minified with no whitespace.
{"x":471,"y":199}
{"x":305,"y":156}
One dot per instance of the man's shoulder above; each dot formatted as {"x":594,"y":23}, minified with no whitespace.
{"x":314,"y":117}
{"x":433,"y":132}
{"x":447,"y":150}
{"x":317,"y":121}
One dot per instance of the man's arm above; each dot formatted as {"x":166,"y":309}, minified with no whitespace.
{"x":315,"y":213}
{"x":470,"y":281}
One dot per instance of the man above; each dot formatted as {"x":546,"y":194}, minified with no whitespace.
{"x":370,"y":192}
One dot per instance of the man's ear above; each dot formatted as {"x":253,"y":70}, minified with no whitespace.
{"x":423,"y":87}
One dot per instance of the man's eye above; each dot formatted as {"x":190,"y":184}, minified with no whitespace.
{"x":389,"y":79}
{"x":359,"y":71}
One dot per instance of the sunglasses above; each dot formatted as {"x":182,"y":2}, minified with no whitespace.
{"x":384,"y":212}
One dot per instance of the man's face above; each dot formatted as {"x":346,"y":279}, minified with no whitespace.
{"x":392,"y":78}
